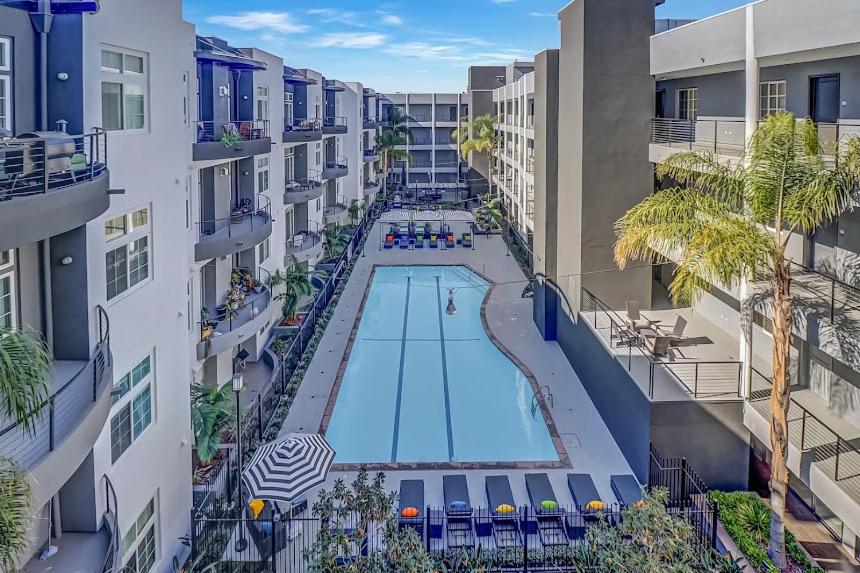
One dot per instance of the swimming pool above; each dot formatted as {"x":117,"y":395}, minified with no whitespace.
{"x":421,"y":385}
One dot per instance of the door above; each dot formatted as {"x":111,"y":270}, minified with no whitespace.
{"x":824,"y":98}
{"x":660,"y":104}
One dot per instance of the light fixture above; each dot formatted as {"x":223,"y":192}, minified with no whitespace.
{"x":451,"y":309}
{"x":66,"y":260}
{"x":62,"y":76}
{"x":238,"y":382}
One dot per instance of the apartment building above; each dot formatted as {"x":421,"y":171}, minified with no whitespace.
{"x":432,"y":118}
{"x":147,"y":272}
{"x":716,"y":79}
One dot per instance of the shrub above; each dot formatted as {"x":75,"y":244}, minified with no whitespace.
{"x":746,"y":518}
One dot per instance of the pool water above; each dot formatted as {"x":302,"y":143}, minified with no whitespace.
{"x":425,"y":386}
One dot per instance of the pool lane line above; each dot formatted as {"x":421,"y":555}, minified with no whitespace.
{"x":445,"y":374}
{"x":396,"y":434}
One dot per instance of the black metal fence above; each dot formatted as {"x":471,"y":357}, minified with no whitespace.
{"x":677,"y":476}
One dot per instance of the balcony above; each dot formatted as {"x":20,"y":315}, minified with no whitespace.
{"x":302,"y":130}
{"x":68,"y":423}
{"x":305,"y":246}
{"x":334,"y":125}
{"x":423,"y":118}
{"x":371,"y":188}
{"x":246,"y":310}
{"x":336,"y":213}
{"x":371,"y":155}
{"x":233,"y":140}
{"x":303,"y":190}
{"x":50,"y":183}
{"x":370,"y":123}
{"x":335,"y":169}
{"x":247,"y":226}
{"x":702,"y":365}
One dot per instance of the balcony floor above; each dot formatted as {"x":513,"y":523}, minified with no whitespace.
{"x":78,"y":553}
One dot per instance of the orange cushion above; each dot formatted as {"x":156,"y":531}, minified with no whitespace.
{"x":595,"y":505}
{"x":256,"y":506}
{"x":504,"y":508}
{"x":409,"y":512}
{"x":389,"y":238}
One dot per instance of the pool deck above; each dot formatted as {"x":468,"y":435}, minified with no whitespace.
{"x":584,"y":437}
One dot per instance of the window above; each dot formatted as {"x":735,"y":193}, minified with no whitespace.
{"x":262,"y":174}
{"x":263,"y":251}
{"x":288,"y":107}
{"x":123,"y":90}
{"x":139,"y":541}
{"x":262,"y":103}
{"x":772,"y":98}
{"x":5,"y":83}
{"x":133,"y":392}
{"x":688,"y":103}
{"x":7,"y":291}
{"x":128,"y":263}
{"x":319,"y":155}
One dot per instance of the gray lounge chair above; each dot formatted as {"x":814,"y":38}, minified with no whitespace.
{"x":634,"y":318}
{"x":657,"y":345}
{"x":506,"y":526}
{"x":458,"y":511}
{"x":583,"y":492}
{"x":411,"y":495}
{"x":626,"y":489}
{"x":550,"y":520}
{"x":677,"y":333}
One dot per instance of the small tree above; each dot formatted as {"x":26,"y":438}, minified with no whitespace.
{"x":290,"y":286}
{"x":354,"y":212}
{"x":480,"y":136}
{"x":212,"y":413}
{"x":334,"y":241}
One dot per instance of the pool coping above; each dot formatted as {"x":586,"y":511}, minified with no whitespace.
{"x":563,"y":458}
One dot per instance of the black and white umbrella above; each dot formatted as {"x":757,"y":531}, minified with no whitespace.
{"x":285,"y":469}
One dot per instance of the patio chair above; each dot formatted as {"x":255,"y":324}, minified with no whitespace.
{"x":503,"y":513}
{"x":587,"y":502}
{"x":404,"y":241}
{"x":434,"y":240}
{"x":657,"y":345}
{"x":634,"y":318}
{"x":458,"y":511}
{"x":411,"y":507}
{"x":389,"y":241}
{"x":626,"y":489}
{"x":450,"y":243}
{"x":260,"y":530}
{"x":467,"y":240}
{"x":677,"y":332}
{"x":298,"y":241}
{"x":419,"y":240}
{"x":550,"y":516}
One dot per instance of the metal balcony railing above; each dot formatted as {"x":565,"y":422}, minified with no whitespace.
{"x":421,"y":163}
{"x":421,"y":141}
{"x":228,"y":132}
{"x":313,"y":180}
{"x":303,"y":240}
{"x":340,"y":162}
{"x":249,"y":295}
{"x":371,"y":152}
{"x":297,"y":124}
{"x":38,"y":162}
{"x":59,"y":415}
{"x":336,"y":121}
{"x":700,"y":379}
{"x":420,"y":117}
{"x":244,"y":218}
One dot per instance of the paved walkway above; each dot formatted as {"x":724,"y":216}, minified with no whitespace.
{"x":583,"y":434}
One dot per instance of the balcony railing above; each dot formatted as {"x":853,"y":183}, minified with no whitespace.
{"x":36,"y":163}
{"x":58,"y":416}
{"x":336,"y":121}
{"x":312,"y":181}
{"x":232,"y":131}
{"x":421,"y":163}
{"x":303,"y":241}
{"x":699,"y":379}
{"x":302,"y":125}
{"x":833,"y":453}
{"x":420,"y":117}
{"x":530,"y":121}
{"x":421,"y":141}
{"x":371,"y":152}
{"x":246,"y":217}
{"x":340,"y":162}
{"x":249,"y":295}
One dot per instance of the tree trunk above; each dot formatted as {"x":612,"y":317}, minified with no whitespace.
{"x":779,"y":402}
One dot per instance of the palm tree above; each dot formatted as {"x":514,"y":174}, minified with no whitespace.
{"x":492,"y":210}
{"x":211,"y":414}
{"x":732,"y":222}
{"x":387,"y":143}
{"x":334,"y":241}
{"x":480,"y":136}
{"x":291,"y":285}
{"x":24,"y":365}
{"x":16,"y":496}
{"x":354,"y":212}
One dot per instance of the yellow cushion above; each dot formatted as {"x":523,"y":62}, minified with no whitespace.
{"x":595,"y":505}
{"x":505,"y":508}
{"x":409,"y":512}
{"x":256,"y":507}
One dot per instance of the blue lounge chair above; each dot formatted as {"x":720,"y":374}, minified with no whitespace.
{"x":404,"y":241}
{"x":458,"y":511}
{"x":503,"y":514}
{"x":450,"y":243}
{"x":467,"y":240}
{"x":626,"y":489}
{"x":587,"y":502}
{"x":434,"y":240}
{"x":411,"y":507}
{"x":549,"y":514}
{"x":419,"y":240}
{"x":389,"y":241}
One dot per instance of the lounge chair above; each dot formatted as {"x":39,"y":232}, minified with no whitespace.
{"x":458,"y":511}
{"x":626,"y":489}
{"x":434,"y":241}
{"x":677,"y":333}
{"x":657,"y":345}
{"x":260,"y":530}
{"x":587,"y":502}
{"x":419,"y":240}
{"x":549,"y":514}
{"x":389,"y":241}
{"x":634,"y":318}
{"x":411,"y":507}
{"x":503,"y":513}
{"x":404,"y":241}
{"x":449,"y":241}
{"x":467,"y":240}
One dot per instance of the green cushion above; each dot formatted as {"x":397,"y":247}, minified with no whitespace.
{"x":548,"y":505}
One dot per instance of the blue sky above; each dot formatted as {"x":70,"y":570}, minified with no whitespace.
{"x":400,"y":45}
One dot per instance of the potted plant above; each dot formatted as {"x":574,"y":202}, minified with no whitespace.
{"x":291,"y":286}
{"x":230,"y":137}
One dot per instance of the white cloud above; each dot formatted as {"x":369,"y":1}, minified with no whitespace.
{"x":541,"y":14}
{"x":391,"y":19}
{"x":282,"y":22}
{"x":350,"y":40}
{"x":329,"y":15}
{"x":500,"y":2}
{"x":454,"y":53}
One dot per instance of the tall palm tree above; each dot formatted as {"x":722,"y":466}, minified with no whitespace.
{"x":354,"y":211}
{"x":479,"y":136}
{"x":388,"y":143}
{"x":732,"y":222}
{"x":291,"y":285}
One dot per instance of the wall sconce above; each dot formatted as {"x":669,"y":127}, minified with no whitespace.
{"x":67,"y":260}
{"x":62,"y":76}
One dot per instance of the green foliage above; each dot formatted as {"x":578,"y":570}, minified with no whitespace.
{"x":335,"y":241}
{"x":354,"y":212}
{"x":230,"y":138}
{"x":290,"y":286}
{"x":15,"y":499}
{"x":746,"y":518}
{"x":211,"y":415}
{"x":395,"y":134}
{"x":479,"y":136}
{"x":24,"y":364}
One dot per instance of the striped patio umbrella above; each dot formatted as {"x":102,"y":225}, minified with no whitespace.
{"x":285,"y":469}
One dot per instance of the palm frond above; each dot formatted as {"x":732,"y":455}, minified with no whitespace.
{"x":16,"y":497}
{"x":704,"y":172}
{"x":24,"y":366}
